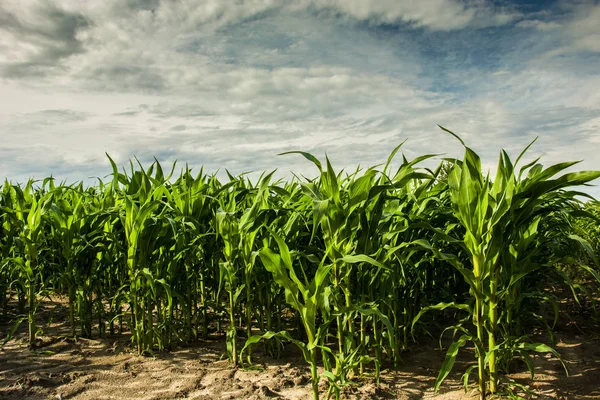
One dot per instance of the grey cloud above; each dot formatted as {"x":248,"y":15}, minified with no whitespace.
{"x":143,"y":4}
{"x":124,"y":77}
{"x":52,"y":31}
{"x":48,"y":117}
{"x":185,"y":110}
{"x":128,"y":113}
{"x":113,"y":33}
{"x":39,"y":161}
{"x":436,"y":15}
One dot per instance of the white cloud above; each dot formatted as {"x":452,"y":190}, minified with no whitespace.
{"x":439,"y":15}
{"x":581,"y":31}
{"x":539,"y":25}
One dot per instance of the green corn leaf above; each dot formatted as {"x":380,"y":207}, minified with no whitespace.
{"x":448,"y":363}
{"x":439,"y":307}
{"x":306,"y":155}
{"x":542,"y":348}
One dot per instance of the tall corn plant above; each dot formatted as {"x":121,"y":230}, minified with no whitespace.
{"x":75,"y":233}
{"x":491,"y":211}
{"x":112,"y":254}
{"x":227,"y":227}
{"x":289,"y":214}
{"x":9,"y":233}
{"x":339,"y":207}
{"x":306,"y":297}
{"x":330,"y":214}
{"x":194,"y":202}
{"x":239,"y":234}
{"x":406,"y":221}
{"x":29,"y":214}
{"x":337,"y":216}
{"x":141,"y":201}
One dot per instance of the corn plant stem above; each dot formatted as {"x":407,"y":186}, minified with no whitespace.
{"x":72,"y":310}
{"x":111,"y":313}
{"x":396,"y":350}
{"x":340,"y":334}
{"x":351,"y":343}
{"x":233,"y":330}
{"x":138,"y":326}
{"x":338,"y":318}
{"x":187,"y":314}
{"x":278,"y":308}
{"x":149,"y":328}
{"x":160,"y":320}
{"x":248,"y":311}
{"x":134,"y":303}
{"x":261,"y":312}
{"x":493,"y":317}
{"x":86,"y":317}
{"x":21,"y":301}
{"x":204,"y":311}
{"x":314,"y":373}
{"x":477,"y":265}
{"x":340,"y":337}
{"x":348,"y":297}
{"x":362,"y":341}
{"x":324,"y":354}
{"x":405,"y":328}
{"x":101,"y":322}
{"x":378,"y":355}
{"x":339,"y":285}
{"x":480,"y":352}
{"x":31,"y":315}
{"x":111,"y":324}
{"x":187,"y":308}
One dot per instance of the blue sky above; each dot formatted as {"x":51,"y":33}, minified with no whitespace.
{"x":230,"y":84}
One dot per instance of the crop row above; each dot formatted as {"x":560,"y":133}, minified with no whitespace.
{"x":364,"y":261}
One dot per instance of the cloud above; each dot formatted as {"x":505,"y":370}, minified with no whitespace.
{"x":542,"y":26}
{"x":585,"y":29}
{"x":44,"y":118}
{"x":580,"y":30}
{"x":49,"y":35}
{"x":127,"y":113}
{"x":44,"y":33}
{"x":437,"y":15}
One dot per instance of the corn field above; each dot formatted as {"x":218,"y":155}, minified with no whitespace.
{"x":351,"y":267}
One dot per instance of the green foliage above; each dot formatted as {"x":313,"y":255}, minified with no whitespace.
{"x":350,"y":267}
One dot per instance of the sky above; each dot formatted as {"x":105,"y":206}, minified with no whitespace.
{"x":229,"y":84}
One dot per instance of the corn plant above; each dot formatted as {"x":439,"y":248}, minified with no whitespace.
{"x":239,"y":237}
{"x":495,"y":214}
{"x":141,"y":202}
{"x":304,"y":297}
{"x":29,"y":214}
{"x":338,"y":217}
{"x":360,"y":259}
{"x":194,"y":205}
{"x":74,"y":238}
{"x":8,"y":242}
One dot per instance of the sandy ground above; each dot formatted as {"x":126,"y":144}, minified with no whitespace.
{"x":64,"y":368}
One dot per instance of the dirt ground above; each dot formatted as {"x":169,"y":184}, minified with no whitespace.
{"x":63,"y":368}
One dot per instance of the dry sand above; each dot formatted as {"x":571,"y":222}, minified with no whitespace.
{"x":87,"y":369}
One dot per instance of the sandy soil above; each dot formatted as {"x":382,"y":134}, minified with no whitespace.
{"x":64,"y":368}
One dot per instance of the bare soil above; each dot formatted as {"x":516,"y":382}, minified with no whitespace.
{"x":106,"y":368}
